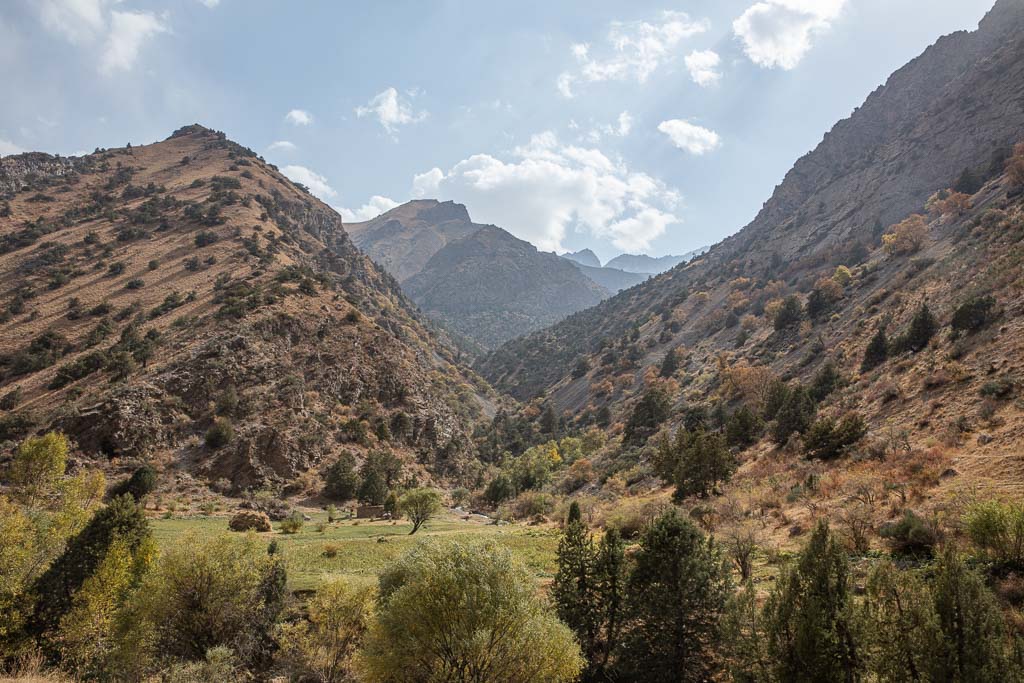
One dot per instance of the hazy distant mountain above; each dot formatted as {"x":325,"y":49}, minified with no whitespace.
{"x":491,"y":287}
{"x":584,"y":257}
{"x":651,"y":265}
{"x":612,"y":279}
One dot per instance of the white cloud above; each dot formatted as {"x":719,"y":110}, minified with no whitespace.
{"x":545,"y":188}
{"x":91,"y":23}
{"x":690,"y":137}
{"x":316,"y":183}
{"x":703,"y":67}
{"x":299,"y":117}
{"x":635,"y":50}
{"x":8,"y":147}
{"x":371,"y":209}
{"x":625,"y":123}
{"x":621,"y":128}
{"x":391,"y":110}
{"x":210,"y":3}
{"x":281,"y":146}
{"x":128,"y":31}
{"x":778,"y":33}
{"x":77,"y":21}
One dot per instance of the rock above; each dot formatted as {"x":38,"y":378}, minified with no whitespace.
{"x":985,"y":439}
{"x":948,"y":473}
{"x":247,"y":520}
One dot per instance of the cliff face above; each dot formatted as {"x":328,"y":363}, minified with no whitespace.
{"x":957,"y":106}
{"x":149,"y":293}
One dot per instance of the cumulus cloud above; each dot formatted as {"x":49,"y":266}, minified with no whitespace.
{"x":299,"y":117}
{"x":371,"y":209}
{"x":90,"y":23}
{"x":778,"y":33}
{"x":621,"y":128}
{"x":316,"y":183}
{"x":128,"y":32}
{"x":8,"y":147}
{"x":391,"y":110}
{"x":545,"y":188}
{"x":703,"y":67}
{"x":634,"y":50}
{"x":281,"y":146}
{"x":690,"y":137}
{"x":210,"y":3}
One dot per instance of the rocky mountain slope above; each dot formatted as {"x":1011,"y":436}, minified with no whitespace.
{"x":649,"y":265}
{"x":152,"y":293}
{"x":491,"y":287}
{"x":956,"y":107}
{"x":584,"y":257}
{"x":479,"y":280}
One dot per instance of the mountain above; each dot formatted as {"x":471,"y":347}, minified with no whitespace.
{"x":802,"y":290}
{"x":612,"y":279}
{"x":650,"y":265}
{"x":403,"y":239}
{"x":479,"y":280}
{"x":584,"y":257}
{"x":490,"y":287}
{"x":150,"y":293}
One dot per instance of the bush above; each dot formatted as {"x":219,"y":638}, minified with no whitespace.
{"x":923,"y":327}
{"x":998,"y":530}
{"x":974,"y":314}
{"x":141,"y":482}
{"x":877,"y":351}
{"x":205,"y":238}
{"x":245,"y":520}
{"x":499,"y":490}
{"x":997,"y":388}
{"x":911,"y":536}
{"x":827,"y":439}
{"x":219,"y":434}
{"x":648,"y":414}
{"x":789,"y":315}
{"x":293,"y":523}
{"x":907,"y":236}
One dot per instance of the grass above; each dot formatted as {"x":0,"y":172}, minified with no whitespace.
{"x":365,"y":549}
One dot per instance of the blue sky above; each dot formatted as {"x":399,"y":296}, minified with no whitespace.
{"x":645,"y":126}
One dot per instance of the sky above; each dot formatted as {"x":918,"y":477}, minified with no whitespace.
{"x":648,"y":126}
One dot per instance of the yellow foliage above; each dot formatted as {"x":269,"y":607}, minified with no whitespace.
{"x":907,"y":236}
{"x":1015,"y":166}
{"x":842,"y":276}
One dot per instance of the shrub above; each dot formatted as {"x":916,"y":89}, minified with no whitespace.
{"x":911,"y":536}
{"x":877,"y":351}
{"x":205,"y":238}
{"x":974,"y":314}
{"x":997,"y":388}
{"x":998,"y":530}
{"x":141,"y":483}
{"x":923,"y":327}
{"x":789,"y":314}
{"x":495,"y":623}
{"x":827,"y":439}
{"x":907,"y":236}
{"x":245,"y":520}
{"x":293,"y":523}
{"x":219,"y":434}
{"x":135,"y":283}
{"x":648,"y":414}
{"x":1015,"y":166}
{"x":499,"y":490}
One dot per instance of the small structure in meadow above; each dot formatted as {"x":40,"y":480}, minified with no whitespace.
{"x":369,"y":511}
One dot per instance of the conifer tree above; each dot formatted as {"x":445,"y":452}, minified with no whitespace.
{"x":877,"y":351}
{"x":675,"y":596}
{"x":923,"y":327}
{"x":795,"y":415}
{"x":574,"y":587}
{"x":610,"y":588}
{"x":670,"y":364}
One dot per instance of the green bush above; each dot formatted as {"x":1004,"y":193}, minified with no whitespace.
{"x":997,"y":529}
{"x":911,"y":536}
{"x":219,"y":434}
{"x":827,"y":439}
{"x":974,"y":314}
{"x":293,"y":523}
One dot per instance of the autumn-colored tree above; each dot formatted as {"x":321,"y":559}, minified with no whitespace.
{"x":907,"y":236}
{"x":948,"y":203}
{"x":1015,"y":166}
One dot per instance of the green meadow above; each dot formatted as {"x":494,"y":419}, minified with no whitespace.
{"x":360,"y":550}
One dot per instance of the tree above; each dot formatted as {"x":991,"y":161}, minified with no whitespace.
{"x":923,"y":327}
{"x":743,"y":428}
{"x":203,"y":593}
{"x":122,"y":521}
{"x":877,"y":351}
{"x":675,"y":596}
{"x":386,"y":464}
{"x":455,"y":612}
{"x":499,"y":490}
{"x":1015,"y":166}
{"x":704,"y":461}
{"x":38,"y":466}
{"x":219,"y":434}
{"x":998,"y":530}
{"x":141,"y":483}
{"x":974,"y":314}
{"x":974,"y":634}
{"x":573,"y":591}
{"x":323,"y":646}
{"x":899,"y":626}
{"x":670,"y":364}
{"x":789,"y":315}
{"x":907,"y":236}
{"x":809,"y":619}
{"x":826,"y":380}
{"x":794,"y":416}
{"x":827,"y":439}
{"x":419,"y":505}
{"x":650,"y":411}
{"x":610,"y":578}
{"x":373,"y":490}
{"x":342,"y":481}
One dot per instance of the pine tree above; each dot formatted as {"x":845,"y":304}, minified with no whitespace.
{"x":610,"y":585}
{"x":923,"y":327}
{"x":573,"y":589}
{"x":675,"y":597}
{"x":342,"y":482}
{"x":373,"y":490}
{"x":670,"y":364}
{"x":705,"y":461}
{"x":809,"y":619}
{"x":795,"y":415}
{"x":742,"y":428}
{"x":877,"y":351}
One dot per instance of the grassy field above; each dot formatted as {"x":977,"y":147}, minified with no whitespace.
{"x":362,"y":549}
